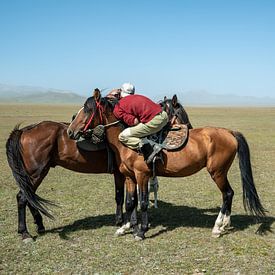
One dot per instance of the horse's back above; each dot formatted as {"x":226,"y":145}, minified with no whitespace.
{"x":47,"y":144}
{"x":41,"y":135}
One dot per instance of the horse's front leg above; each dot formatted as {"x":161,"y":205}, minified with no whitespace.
{"x":131,"y":208}
{"x":142,"y":181}
{"x":119,"y":196}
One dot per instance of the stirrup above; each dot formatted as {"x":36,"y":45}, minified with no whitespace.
{"x":156,"y":149}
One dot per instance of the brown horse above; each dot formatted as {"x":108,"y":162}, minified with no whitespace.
{"x":213,"y":148}
{"x":33,"y":150}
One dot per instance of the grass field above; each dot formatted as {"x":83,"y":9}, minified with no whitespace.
{"x":81,"y":238}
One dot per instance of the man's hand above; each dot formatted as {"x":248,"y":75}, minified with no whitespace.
{"x":136,"y":121}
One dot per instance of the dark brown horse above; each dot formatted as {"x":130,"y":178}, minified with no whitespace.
{"x":213,"y":148}
{"x":33,"y":150}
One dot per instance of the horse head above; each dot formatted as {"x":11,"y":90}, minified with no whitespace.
{"x":94,"y":113}
{"x":176,"y":112}
{"x":86,"y":116}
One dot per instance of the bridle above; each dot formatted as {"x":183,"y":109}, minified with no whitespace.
{"x":100,"y":108}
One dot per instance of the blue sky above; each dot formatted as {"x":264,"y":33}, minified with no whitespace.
{"x":223,"y":47}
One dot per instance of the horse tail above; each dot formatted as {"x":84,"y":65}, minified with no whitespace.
{"x":251,"y":200}
{"x":22,"y":178}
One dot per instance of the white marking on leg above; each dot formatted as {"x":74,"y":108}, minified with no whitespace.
{"x":216,"y":231}
{"x":123,"y":229}
{"x":226,"y":222}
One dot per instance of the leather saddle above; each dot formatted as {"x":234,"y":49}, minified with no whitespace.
{"x":170,"y":138}
{"x":175,"y":137}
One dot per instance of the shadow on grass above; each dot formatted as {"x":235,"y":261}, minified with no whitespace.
{"x":169,"y":216}
{"x":88,"y":223}
{"x":173,"y":216}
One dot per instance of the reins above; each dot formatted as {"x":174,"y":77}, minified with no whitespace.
{"x":100,"y":108}
{"x":112,"y":123}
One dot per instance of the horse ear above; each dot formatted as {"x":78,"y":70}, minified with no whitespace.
{"x":97,"y":94}
{"x":174,"y":100}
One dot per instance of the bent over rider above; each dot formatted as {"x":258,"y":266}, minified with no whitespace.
{"x":144,"y":117}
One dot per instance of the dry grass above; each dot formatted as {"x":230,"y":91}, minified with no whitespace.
{"x":81,"y":239}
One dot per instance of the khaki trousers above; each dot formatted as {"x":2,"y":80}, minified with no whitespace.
{"x":131,"y":136}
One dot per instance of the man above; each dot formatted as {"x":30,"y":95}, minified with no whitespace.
{"x":144,"y":117}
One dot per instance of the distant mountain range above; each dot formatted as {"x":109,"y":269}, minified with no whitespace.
{"x":203,"y":98}
{"x":29,"y":94}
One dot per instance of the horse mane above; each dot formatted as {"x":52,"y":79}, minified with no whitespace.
{"x":26,"y":128}
{"x":90,"y":104}
{"x":31,"y":126}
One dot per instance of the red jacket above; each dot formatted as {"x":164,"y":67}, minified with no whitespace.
{"x":136,"y":106}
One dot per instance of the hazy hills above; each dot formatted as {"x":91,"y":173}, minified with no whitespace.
{"x":203,"y":98}
{"x":29,"y":94}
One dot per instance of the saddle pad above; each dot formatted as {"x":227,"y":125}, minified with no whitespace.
{"x":87,"y":145}
{"x":176,"y":137}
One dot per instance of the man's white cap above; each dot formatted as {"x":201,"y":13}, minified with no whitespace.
{"x":128,"y":88}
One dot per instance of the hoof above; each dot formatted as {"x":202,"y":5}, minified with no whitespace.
{"x":41,"y":230}
{"x":216,"y":233}
{"x":26,"y":237}
{"x":139,"y":235}
{"x":138,"y":238}
{"x":120,"y":232}
{"x":227,"y":228}
{"x":28,"y":240}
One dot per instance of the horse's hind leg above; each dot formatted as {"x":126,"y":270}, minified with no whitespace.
{"x":153,"y":185}
{"x":223,"y":220}
{"x":22,"y":226}
{"x":38,"y":220}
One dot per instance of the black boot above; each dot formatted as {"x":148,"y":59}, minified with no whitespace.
{"x":149,"y":149}
{"x":145,"y":148}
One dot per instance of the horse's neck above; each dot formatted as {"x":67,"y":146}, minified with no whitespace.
{"x":112,"y":133}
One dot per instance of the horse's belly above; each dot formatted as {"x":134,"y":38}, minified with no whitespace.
{"x":180,"y":166}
